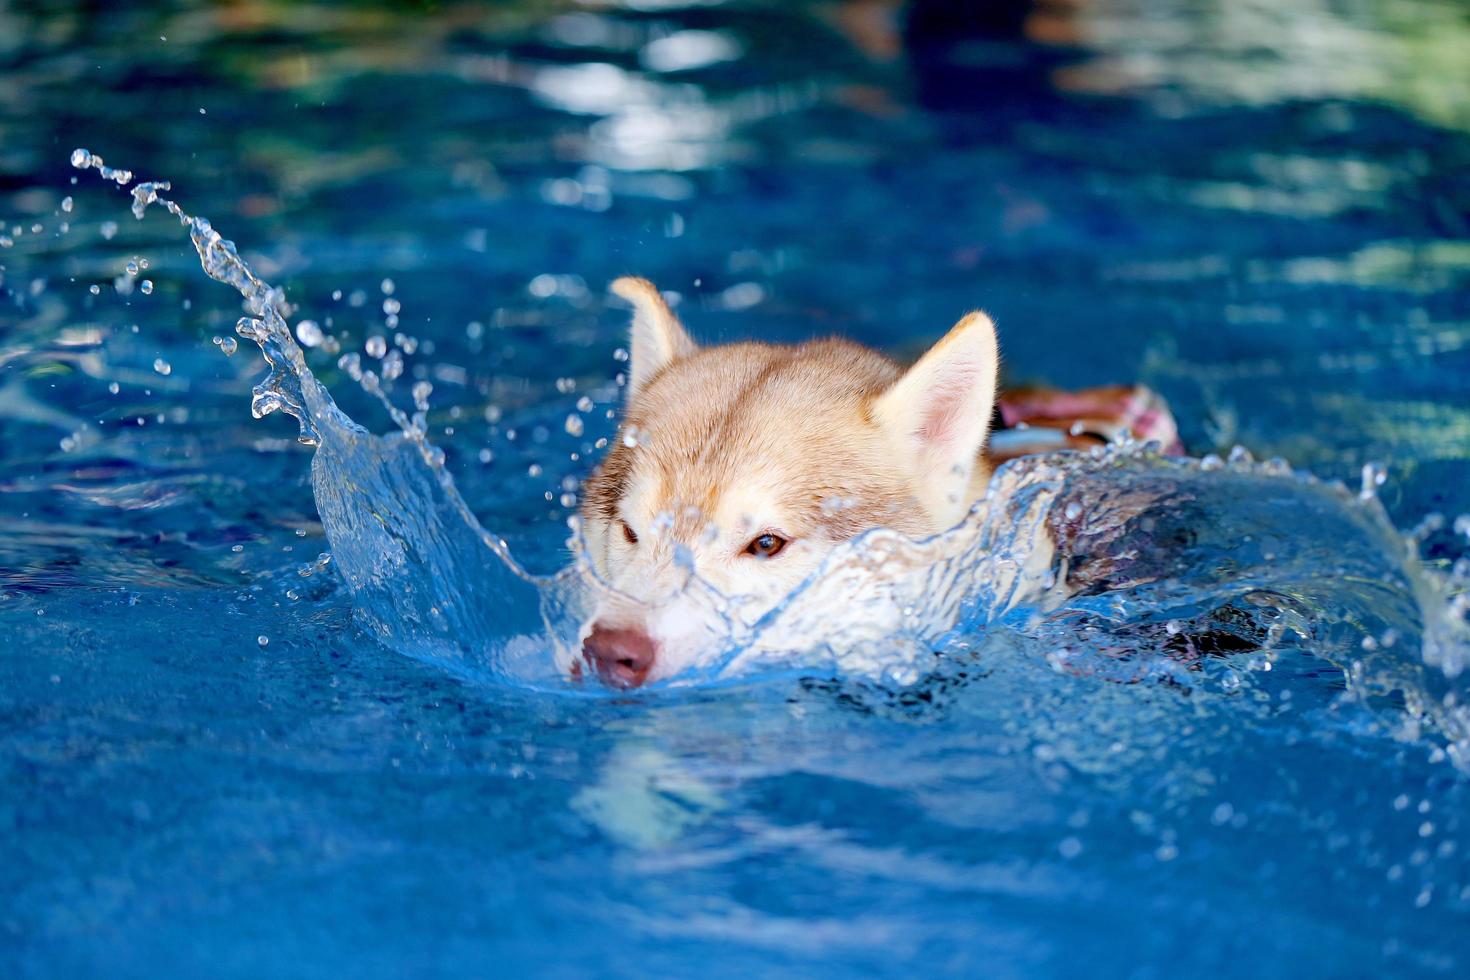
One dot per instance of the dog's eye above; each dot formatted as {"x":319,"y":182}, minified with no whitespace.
{"x":767,"y":545}
{"x":628,"y":534}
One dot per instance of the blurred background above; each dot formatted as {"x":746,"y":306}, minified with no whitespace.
{"x":1259,"y":208}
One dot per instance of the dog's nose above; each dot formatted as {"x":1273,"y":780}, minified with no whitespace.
{"x":622,"y":657}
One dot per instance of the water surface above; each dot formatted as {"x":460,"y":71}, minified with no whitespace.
{"x":208,"y":763}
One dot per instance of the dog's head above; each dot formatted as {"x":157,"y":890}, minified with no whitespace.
{"x":746,"y":464}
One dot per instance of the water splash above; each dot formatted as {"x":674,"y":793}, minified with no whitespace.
{"x":1119,"y":563}
{"x":424,"y":576}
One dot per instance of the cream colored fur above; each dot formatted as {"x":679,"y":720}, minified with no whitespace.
{"x":814,"y":442}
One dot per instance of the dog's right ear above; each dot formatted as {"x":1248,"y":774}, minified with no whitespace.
{"x":658,"y":338}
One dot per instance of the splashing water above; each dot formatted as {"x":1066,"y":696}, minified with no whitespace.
{"x":413,"y":556}
{"x":1119,"y":563}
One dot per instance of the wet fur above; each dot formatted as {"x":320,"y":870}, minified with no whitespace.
{"x":817,"y":442}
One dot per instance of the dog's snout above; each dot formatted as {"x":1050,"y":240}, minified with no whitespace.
{"x":621,"y":656}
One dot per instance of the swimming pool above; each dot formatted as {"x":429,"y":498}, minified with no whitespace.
{"x":208,"y":764}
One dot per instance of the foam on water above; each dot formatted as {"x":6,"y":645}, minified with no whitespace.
{"x":1120,"y":563}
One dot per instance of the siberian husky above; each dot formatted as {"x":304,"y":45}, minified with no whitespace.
{"x":747,"y":463}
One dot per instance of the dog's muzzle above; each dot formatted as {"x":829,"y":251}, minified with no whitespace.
{"x":621,"y":656}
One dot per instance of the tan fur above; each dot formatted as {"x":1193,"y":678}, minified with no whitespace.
{"x":815,"y":442}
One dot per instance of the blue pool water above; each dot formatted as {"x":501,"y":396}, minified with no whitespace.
{"x":212,"y":763}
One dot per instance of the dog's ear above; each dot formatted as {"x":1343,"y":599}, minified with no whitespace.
{"x":938,"y":413}
{"x":658,"y":338}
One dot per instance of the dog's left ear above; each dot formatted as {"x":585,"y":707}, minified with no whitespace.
{"x":658,"y":338}
{"x":939,"y":411}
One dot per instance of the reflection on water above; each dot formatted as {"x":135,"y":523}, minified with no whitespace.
{"x":1254,"y":53}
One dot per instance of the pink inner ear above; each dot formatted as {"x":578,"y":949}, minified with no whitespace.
{"x":946,"y":404}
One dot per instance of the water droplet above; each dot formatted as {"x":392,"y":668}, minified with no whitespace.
{"x":309,"y":333}
{"x":376,"y":346}
{"x":387,"y":286}
{"x":1374,"y":475}
{"x":108,"y":229}
{"x":262,"y":639}
{"x":146,"y":286}
{"x":534,"y":469}
{"x":392,"y":366}
{"x":66,"y":204}
{"x":162,"y":367}
{"x":421,"y":392}
{"x":834,"y":505}
{"x":94,"y":289}
{"x":131,"y":267}
{"x":574,"y":426}
{"x":81,"y":159}
{"x":229,"y":345}
{"x":632,"y":436}
{"x":1069,"y":848}
{"x":1072,"y":511}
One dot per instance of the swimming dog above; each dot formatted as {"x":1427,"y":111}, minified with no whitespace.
{"x":747,"y":463}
